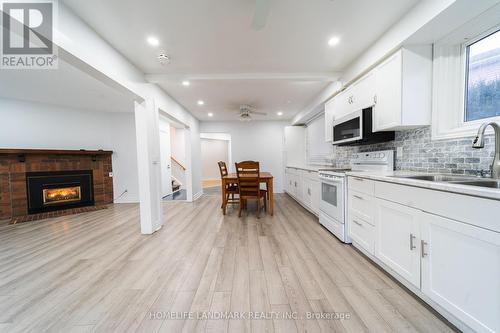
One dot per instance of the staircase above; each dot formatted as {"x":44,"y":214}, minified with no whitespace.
{"x":175,"y":185}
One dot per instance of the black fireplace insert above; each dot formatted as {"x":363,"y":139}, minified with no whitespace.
{"x":55,"y":190}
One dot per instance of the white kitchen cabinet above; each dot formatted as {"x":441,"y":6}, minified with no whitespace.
{"x":363,"y":92}
{"x":329,"y":114}
{"x":397,"y":239}
{"x":316,"y":196}
{"x":306,"y":192}
{"x":362,"y":233}
{"x":343,"y":104}
{"x":303,"y":186}
{"x":461,"y":270}
{"x":310,"y":191}
{"x":295,"y":145}
{"x":403,"y":85}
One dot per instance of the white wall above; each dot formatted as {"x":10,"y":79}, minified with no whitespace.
{"x":35,"y":125}
{"x":178,"y":144}
{"x":75,"y":37}
{"x":213,"y":151}
{"x":257,"y":140}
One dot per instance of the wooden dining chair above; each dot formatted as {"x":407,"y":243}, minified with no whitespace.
{"x":230,"y":189}
{"x":248,"y":173}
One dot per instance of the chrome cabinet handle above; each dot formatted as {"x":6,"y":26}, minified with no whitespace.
{"x":375,"y":99}
{"x":309,"y":191}
{"x":422,"y":248}
{"x":412,"y":245}
{"x":359,"y":179}
{"x":356,"y":222}
{"x":358,"y":197}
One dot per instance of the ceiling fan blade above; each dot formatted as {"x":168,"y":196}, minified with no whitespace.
{"x":261,"y":13}
{"x":259,"y":113}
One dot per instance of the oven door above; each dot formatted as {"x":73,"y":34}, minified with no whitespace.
{"x":332,"y":197}
{"x":348,"y":128}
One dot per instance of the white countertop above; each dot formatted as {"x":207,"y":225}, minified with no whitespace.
{"x":389,"y":177}
{"x":310,"y":167}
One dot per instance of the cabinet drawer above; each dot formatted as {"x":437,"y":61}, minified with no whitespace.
{"x":362,"y":233}
{"x":361,"y":185}
{"x":362,"y":205}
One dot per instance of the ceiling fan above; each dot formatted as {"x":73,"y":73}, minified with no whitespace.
{"x":246,"y":112}
{"x":261,"y":13}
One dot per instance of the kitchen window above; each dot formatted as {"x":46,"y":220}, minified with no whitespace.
{"x":466,"y":79}
{"x":482,"y":94}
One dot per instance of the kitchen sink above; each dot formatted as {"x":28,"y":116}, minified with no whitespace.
{"x":438,"y":178}
{"x":481,"y":183}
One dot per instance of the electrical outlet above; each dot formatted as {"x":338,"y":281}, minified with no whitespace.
{"x":110,"y":175}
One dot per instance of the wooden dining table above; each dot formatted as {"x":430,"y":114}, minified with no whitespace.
{"x":232,"y":178}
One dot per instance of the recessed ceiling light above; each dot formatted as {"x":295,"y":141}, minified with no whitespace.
{"x":153,"y":41}
{"x":210,"y":114}
{"x":279,"y":113}
{"x":186,"y":83}
{"x":200,"y":102}
{"x":333,"y":41}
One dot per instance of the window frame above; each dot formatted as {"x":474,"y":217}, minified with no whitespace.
{"x":465,"y":56}
{"x":449,"y":80}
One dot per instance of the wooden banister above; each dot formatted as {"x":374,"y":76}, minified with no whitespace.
{"x":178,"y":163}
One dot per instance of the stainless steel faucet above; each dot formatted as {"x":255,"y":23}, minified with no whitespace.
{"x":479,"y":143}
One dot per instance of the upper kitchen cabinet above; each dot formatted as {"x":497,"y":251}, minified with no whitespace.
{"x":356,"y":97}
{"x":363,"y":92}
{"x":295,"y":145}
{"x":403,"y":86}
{"x":329,"y":114}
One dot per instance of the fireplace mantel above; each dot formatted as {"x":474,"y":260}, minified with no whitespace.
{"x":7,"y":151}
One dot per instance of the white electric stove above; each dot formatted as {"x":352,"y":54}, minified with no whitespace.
{"x":333,"y":199}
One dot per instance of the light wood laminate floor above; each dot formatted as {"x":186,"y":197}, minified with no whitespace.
{"x":96,"y":273}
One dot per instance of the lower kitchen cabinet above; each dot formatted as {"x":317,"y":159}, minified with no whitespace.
{"x":454,"y":266}
{"x":303,"y":186}
{"x":362,"y":233}
{"x":397,"y":235}
{"x":461,"y":269}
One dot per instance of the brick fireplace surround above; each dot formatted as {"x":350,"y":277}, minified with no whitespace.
{"x":14,"y":163}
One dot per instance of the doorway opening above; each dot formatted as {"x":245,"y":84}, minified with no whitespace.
{"x":215,"y":147}
{"x":173,"y":160}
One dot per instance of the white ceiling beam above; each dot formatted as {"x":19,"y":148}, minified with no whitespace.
{"x":326,"y":77}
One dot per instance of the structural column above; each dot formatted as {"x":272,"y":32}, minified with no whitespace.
{"x":148,"y":164}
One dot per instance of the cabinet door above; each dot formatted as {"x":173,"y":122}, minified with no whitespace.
{"x":461,"y":270}
{"x":315,"y":196}
{"x":298,"y":188}
{"x":288,"y":181}
{"x":343,"y":104}
{"x":363,"y":92}
{"x":293,"y":190}
{"x":397,"y":240}
{"x":306,"y":192}
{"x":387,"y":110}
{"x":329,"y":112}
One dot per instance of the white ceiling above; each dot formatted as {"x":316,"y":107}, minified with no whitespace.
{"x":66,"y":87}
{"x":211,"y":38}
{"x":223,"y":97}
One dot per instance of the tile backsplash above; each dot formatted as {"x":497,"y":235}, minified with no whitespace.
{"x":420,"y":153}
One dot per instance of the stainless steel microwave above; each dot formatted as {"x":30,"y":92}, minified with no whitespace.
{"x":357,"y":129}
